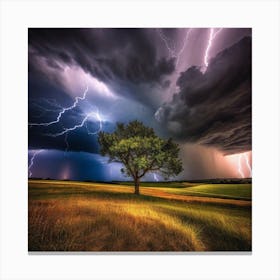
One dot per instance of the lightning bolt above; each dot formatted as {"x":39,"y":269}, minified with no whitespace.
{"x":63,"y":110}
{"x":52,"y":102}
{"x":65,"y":131}
{"x":240,"y":166}
{"x":100,"y":125}
{"x":172,"y":49}
{"x":167,"y":41}
{"x":77,"y":99}
{"x":46,"y":109}
{"x":248,"y":164}
{"x":32,"y":161}
{"x":155,"y":177}
{"x":84,"y":121}
{"x":212,"y":35}
{"x":67,"y":143}
{"x":240,"y":169}
{"x":81,"y":124}
{"x":55,"y":107}
{"x":183,"y":46}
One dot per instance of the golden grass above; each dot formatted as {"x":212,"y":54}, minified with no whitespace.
{"x":236,"y":230}
{"x":159,"y":193}
{"x":67,"y":216}
{"x":154,"y":192}
{"x":98,"y":225}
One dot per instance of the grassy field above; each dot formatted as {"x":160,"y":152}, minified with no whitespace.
{"x":234,"y":191}
{"x":78,"y":216}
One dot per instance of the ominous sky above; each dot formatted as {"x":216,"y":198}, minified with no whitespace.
{"x":191,"y":84}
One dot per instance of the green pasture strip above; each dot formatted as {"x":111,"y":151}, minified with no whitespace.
{"x":234,"y":191}
{"x":158,"y":184}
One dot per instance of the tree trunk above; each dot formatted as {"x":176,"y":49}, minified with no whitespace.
{"x":136,"y":185}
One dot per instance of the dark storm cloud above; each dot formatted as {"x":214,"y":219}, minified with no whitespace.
{"x":214,"y":108}
{"x":112,"y":55}
{"x":129,"y":74}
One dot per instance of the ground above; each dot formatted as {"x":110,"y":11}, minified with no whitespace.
{"x":177,"y":216}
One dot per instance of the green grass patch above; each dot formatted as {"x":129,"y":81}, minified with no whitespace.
{"x":233,"y":191}
{"x":160,"y":184}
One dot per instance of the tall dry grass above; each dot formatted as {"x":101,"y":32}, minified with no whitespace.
{"x":96,"y":225}
{"x":69,"y":217}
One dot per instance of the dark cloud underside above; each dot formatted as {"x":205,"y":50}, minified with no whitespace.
{"x":115,"y":56}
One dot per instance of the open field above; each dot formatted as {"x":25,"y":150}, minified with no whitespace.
{"x":234,"y":191}
{"x":79,"y":216}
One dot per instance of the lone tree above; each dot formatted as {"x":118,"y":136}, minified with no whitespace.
{"x":141,"y":151}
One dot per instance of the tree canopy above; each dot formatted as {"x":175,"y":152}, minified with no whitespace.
{"x":141,"y":151}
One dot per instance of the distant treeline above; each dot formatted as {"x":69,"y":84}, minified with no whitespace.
{"x":203,"y":181}
{"x":224,"y":181}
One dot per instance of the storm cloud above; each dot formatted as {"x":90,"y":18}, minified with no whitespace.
{"x":132,"y":59}
{"x":170,"y":79}
{"x":214,"y":108}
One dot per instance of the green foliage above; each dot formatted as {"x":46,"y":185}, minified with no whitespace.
{"x":140,"y":150}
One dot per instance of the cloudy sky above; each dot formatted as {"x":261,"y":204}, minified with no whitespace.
{"x":191,"y":84}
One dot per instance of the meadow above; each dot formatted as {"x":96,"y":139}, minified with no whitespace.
{"x":173,"y":216}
